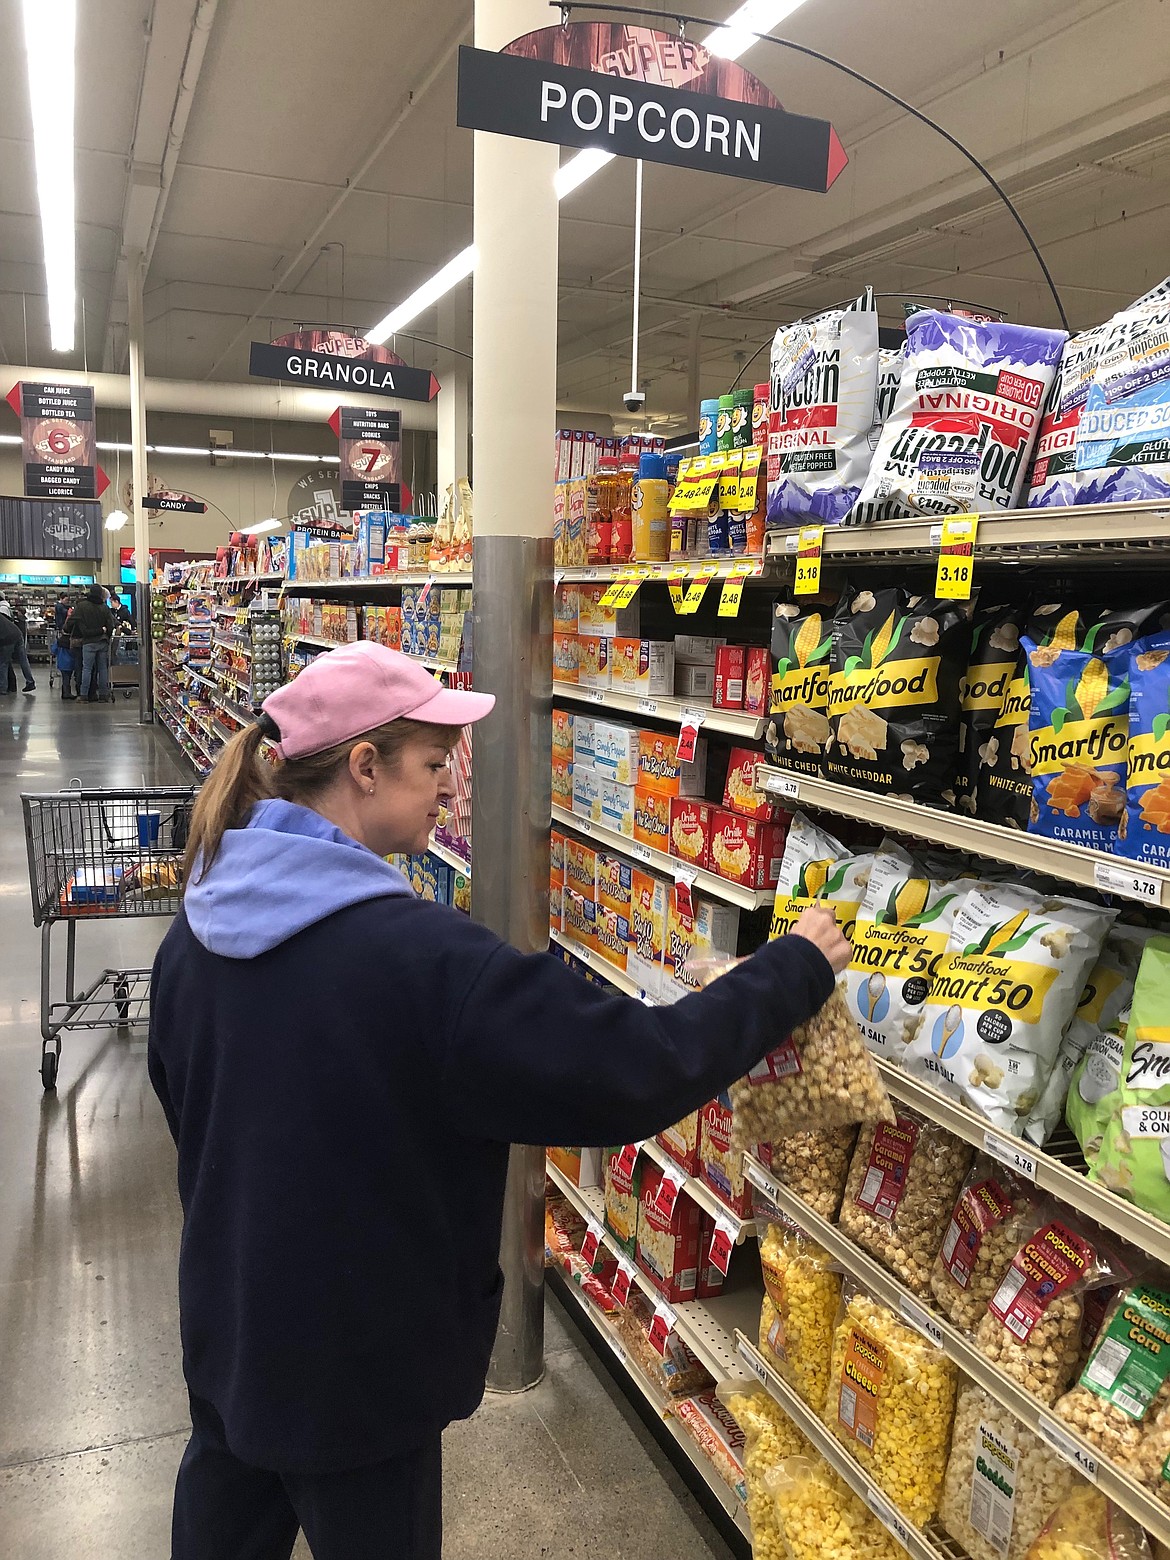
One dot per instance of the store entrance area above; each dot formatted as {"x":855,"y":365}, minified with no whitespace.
{"x":93,"y":1414}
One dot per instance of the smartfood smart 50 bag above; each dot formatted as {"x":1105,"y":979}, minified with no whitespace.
{"x":965,"y":418}
{"x":823,"y":399}
{"x":798,"y":732}
{"x":1123,"y":439}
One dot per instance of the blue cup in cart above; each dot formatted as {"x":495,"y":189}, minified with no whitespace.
{"x":148,"y":827}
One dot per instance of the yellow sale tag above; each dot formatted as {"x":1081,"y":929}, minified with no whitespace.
{"x":676,"y":572}
{"x":729,"y":598}
{"x":749,"y":474}
{"x":808,"y":560}
{"x":615,"y":588}
{"x":697,"y":589}
{"x":624,"y":588}
{"x":956,"y":558}
{"x":729,"y":480}
{"x":694,"y":491}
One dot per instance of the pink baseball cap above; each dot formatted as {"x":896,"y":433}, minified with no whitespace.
{"x":350,"y":690}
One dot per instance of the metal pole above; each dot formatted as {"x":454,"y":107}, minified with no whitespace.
{"x":135,"y":279}
{"x":513,"y":422}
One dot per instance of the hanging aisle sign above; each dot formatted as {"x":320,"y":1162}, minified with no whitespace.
{"x":59,"y":440}
{"x":636,"y":92}
{"x":371,"y":458}
{"x":333,"y":359}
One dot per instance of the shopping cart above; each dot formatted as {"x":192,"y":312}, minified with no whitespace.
{"x":124,"y":665}
{"x":93,"y":855}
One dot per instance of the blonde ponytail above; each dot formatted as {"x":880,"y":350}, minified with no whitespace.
{"x":239,"y":780}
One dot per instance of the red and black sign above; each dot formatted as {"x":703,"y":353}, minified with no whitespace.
{"x":371,"y":458}
{"x":60,"y":441}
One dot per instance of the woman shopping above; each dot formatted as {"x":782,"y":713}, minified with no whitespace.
{"x":343,"y":1067}
{"x":88,"y":630}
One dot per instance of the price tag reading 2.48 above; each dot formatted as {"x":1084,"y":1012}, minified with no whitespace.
{"x":956,"y":558}
{"x":808,"y":560}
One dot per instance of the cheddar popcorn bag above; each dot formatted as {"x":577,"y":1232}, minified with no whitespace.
{"x":891,"y":1399}
{"x":799,"y":1309}
{"x":798,"y":731}
{"x":1002,"y":996}
{"x":984,"y":691}
{"x":897,"y":661}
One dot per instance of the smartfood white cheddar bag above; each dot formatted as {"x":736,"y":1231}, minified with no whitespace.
{"x":1002,"y":997}
{"x":822,"y":407}
{"x":965,"y":418}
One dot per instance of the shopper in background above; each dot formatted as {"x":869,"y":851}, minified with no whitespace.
{"x":11,"y":642}
{"x":19,"y":655}
{"x":89,"y":627}
{"x":343,"y":1067}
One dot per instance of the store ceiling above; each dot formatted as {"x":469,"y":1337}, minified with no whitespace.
{"x":273,"y":218}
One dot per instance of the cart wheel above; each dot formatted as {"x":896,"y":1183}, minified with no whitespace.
{"x":122,"y":1003}
{"x":48,"y":1069}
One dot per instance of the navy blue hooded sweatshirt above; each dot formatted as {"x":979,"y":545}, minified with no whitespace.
{"x":343,"y":1066}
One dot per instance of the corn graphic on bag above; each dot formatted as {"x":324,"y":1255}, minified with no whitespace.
{"x":1145,"y":831}
{"x":1002,"y":997}
{"x":798,"y":732}
{"x":897,"y":661}
{"x":902,"y":931}
{"x":817,"y":869}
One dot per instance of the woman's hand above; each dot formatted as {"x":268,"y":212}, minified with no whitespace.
{"x":820,"y":928}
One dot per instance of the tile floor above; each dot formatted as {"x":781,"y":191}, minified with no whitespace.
{"x":92,"y":1409}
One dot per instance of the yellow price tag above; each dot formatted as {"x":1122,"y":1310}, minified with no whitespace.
{"x":749,"y":473}
{"x":808,"y":560}
{"x":676,"y":572}
{"x":732,"y":592}
{"x":956,"y":558}
{"x":697,"y":589}
{"x":624,"y":588}
{"x":694,"y":491}
{"x":729,"y":480}
{"x":615,"y":588}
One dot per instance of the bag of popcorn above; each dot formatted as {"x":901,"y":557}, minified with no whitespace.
{"x":989,"y":1220}
{"x":814,"y":1165}
{"x":799,"y":1310}
{"x":820,"y":1517}
{"x":769,"y":1438}
{"x":1086,"y":1526}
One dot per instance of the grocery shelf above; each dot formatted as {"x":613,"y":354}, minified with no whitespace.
{"x":706,"y":882}
{"x":1083,"y":534}
{"x":432,"y":663}
{"x":716,"y":568}
{"x":1062,"y":1176}
{"x":598,"y":965}
{"x":373,"y":582}
{"x":1074,"y":863}
{"x":719,"y":1489}
{"x":242,"y":579}
{"x":451,"y":857}
{"x":880,"y":1283}
{"x":918,"y":1542}
{"x":698,"y":1191}
{"x":735,"y":722}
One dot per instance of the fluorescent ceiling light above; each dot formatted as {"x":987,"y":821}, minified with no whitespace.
{"x":116,"y":519}
{"x":578,"y":169}
{"x":261,"y":526}
{"x":738,"y":33}
{"x":50,"y":38}
{"x":183,"y":449}
{"x":454,"y":272}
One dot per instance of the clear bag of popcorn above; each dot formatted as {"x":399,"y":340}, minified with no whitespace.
{"x":1121,"y":1403}
{"x":770,"y":1437}
{"x":1002,"y":1482}
{"x":814,"y":1165}
{"x":1032,"y":1327}
{"x":993,"y":1212}
{"x":799,"y":1311}
{"x":820,"y":1518}
{"x":901,"y":1189}
{"x":890,"y":1401}
{"x":1086,"y":1526}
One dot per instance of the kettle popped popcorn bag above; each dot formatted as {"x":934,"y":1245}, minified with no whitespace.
{"x":965,"y":418}
{"x":1123,"y":437}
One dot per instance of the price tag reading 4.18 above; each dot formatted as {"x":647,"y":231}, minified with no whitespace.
{"x":810,"y":543}
{"x":956,"y":558}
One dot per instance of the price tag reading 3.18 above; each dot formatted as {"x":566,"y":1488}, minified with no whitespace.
{"x":808,"y":560}
{"x":956,"y":558}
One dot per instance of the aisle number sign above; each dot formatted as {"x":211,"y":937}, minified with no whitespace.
{"x":809,"y":545}
{"x":956,"y":558}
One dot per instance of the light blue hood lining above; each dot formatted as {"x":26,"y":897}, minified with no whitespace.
{"x":285,"y":870}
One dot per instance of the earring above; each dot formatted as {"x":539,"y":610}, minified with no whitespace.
{"x":371,"y":791}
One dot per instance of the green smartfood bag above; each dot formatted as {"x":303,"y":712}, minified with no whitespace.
{"x":1134,"y":1157}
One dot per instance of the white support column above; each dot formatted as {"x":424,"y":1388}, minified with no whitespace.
{"x":135,"y":279}
{"x":453,"y":403}
{"x":514,"y":418}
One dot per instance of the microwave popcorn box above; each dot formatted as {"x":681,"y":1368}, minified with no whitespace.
{"x":621,"y":1199}
{"x":616,"y":751}
{"x":409,"y":602}
{"x":615,"y":883}
{"x":612,"y":936}
{"x":659,"y":768}
{"x":667,"y":1251}
{"x":575,"y":519}
{"x":712,"y":930}
{"x":642,"y":667}
{"x":652,"y":819}
{"x":729,"y":670}
{"x":696,"y":683}
{"x":582,"y":1166}
{"x":565,"y":660}
{"x":720,"y":1167}
{"x":695,"y":650}
{"x":580,"y":918}
{"x":565,"y":609}
{"x":593,"y":661}
{"x":746,"y":851}
{"x":556,"y":907}
{"x":607,"y":622}
{"x":690,"y":831}
{"x":739,"y":791}
{"x":562,"y":734}
{"x":617,"y":807}
{"x":562,"y":782}
{"x":580,"y":867}
{"x":556,"y":857}
{"x":649,"y":903}
{"x":583,"y":728}
{"x":681,"y":1142}
{"x":587,"y":794}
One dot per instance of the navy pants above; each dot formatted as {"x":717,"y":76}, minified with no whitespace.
{"x":227,"y":1510}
